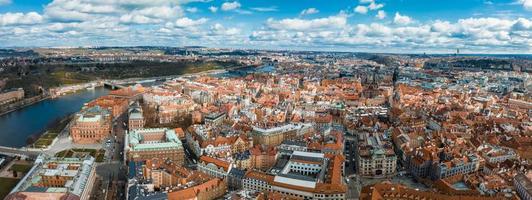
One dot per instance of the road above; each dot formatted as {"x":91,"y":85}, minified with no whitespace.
{"x":190,"y":158}
{"x":353,"y":187}
{"x":352,"y":180}
{"x":114,"y":165}
{"x":350,"y":153}
{"x":19,"y":152}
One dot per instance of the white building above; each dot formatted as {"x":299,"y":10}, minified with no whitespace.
{"x":57,"y":178}
{"x":214,"y":167}
{"x":306,"y":175}
{"x":375,"y":156}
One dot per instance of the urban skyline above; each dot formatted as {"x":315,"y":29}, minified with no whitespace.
{"x":265,"y":99}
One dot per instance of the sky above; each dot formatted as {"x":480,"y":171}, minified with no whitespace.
{"x":383,"y":26}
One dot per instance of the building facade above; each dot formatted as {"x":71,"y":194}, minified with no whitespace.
{"x":276,"y":135}
{"x":214,"y":167}
{"x":162,"y":143}
{"x":135,"y":117}
{"x":464,"y":165}
{"x":117,"y":106}
{"x":57,"y":178}
{"x":11,"y":96}
{"x":375,"y":156}
{"x":91,"y":126}
{"x":306,"y":175}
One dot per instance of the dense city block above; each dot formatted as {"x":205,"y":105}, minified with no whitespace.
{"x":287,"y":125}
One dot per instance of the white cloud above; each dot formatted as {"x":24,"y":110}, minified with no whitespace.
{"x":187,"y":22}
{"x":490,"y":23}
{"x":230,"y":5}
{"x":219,"y":29}
{"x":361,"y":9}
{"x":475,"y":34}
{"x":79,"y":10}
{"x":337,"y":21}
{"x":85,"y":10}
{"x":156,"y":14}
{"x":59,"y":14}
{"x":94,"y":26}
{"x":161,"y":12}
{"x":20,"y":18}
{"x":374,"y":6}
{"x":137,"y":19}
{"x":244,"y":12}
{"x":401,"y":19}
{"x":527,"y":4}
{"x":522,"y":24}
{"x":5,"y":2}
{"x":163,"y":22}
{"x":381,"y":14}
{"x":213,"y":9}
{"x":443,"y":27}
{"x":192,"y":10}
{"x":373,"y":30}
{"x":265,"y":9}
{"x":309,"y":11}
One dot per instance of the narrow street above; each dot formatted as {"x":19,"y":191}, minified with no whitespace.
{"x":111,"y":173}
{"x":352,"y":180}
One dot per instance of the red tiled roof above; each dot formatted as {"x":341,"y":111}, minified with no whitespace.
{"x":217,"y":162}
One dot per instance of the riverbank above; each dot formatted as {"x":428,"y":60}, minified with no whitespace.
{"x":21,"y":127}
{"x":22,"y":104}
{"x":69,"y":89}
{"x":32,"y":121}
{"x":47,"y":138}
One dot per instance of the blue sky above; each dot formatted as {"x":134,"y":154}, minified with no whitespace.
{"x":413,"y":26}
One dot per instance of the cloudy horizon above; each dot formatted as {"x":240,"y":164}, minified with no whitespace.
{"x":382,"y":26}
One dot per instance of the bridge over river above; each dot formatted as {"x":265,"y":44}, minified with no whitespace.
{"x":23,"y":152}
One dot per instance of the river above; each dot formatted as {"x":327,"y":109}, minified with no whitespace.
{"x":17,"y":126}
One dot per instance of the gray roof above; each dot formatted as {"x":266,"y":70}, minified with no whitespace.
{"x":297,"y":176}
{"x":312,"y":159}
{"x":237,"y":172}
{"x":281,"y":162}
{"x":36,"y":189}
{"x":521,"y":179}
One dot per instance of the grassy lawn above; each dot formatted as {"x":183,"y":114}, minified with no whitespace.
{"x":49,"y":136}
{"x":70,"y":77}
{"x":20,"y":168}
{"x":45,"y":140}
{"x":6,"y":185}
{"x":62,"y":153}
{"x":98,"y":154}
{"x":91,"y":152}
